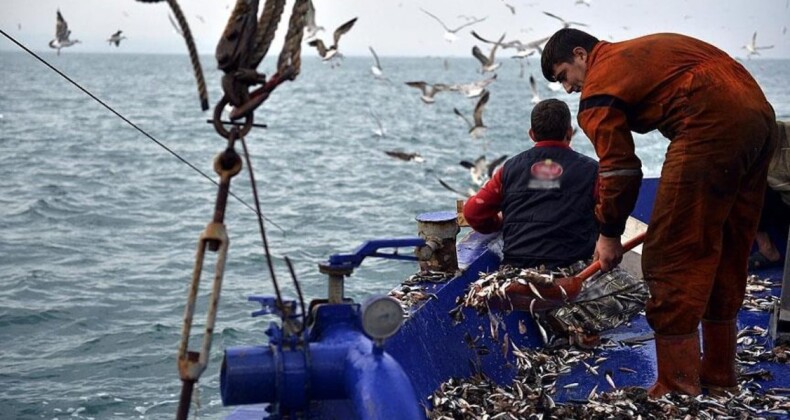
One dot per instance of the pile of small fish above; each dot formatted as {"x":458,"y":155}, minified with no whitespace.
{"x":428,"y":277}
{"x":414,"y":289}
{"x":757,"y":296}
{"x":493,"y":286}
{"x":530,"y":394}
{"x":411,"y":295}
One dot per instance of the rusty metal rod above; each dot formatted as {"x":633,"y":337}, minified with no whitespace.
{"x":187,"y":386}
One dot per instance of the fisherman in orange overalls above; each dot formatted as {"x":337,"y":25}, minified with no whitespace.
{"x":722,"y":133}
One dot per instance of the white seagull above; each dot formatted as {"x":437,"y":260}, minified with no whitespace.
{"x":380,"y":131}
{"x":565,"y":23}
{"x":428,"y":91}
{"x":477,"y":129}
{"x":534,"y":87}
{"x":332,"y":52}
{"x":474,"y":89}
{"x":449,"y":34}
{"x":523,"y":50}
{"x":62,"y":34}
{"x":584,"y":2}
{"x":376,"y":68}
{"x":310,"y":27}
{"x":116,"y":38}
{"x":753,"y":49}
{"x":489,"y":63}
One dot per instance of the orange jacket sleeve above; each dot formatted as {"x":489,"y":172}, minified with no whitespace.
{"x":604,"y":121}
{"x":483,"y":210}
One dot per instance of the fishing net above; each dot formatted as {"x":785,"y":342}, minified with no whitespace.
{"x":605,"y":302}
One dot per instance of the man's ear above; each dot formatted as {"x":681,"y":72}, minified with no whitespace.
{"x":532,"y":135}
{"x":569,"y":134}
{"x":580,"y":52}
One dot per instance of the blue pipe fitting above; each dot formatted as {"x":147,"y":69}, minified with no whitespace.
{"x":341,"y":364}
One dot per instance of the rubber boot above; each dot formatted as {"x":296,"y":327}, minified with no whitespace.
{"x":678,"y":366}
{"x":717,"y":370}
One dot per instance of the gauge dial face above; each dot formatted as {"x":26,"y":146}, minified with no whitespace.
{"x":382,"y":316}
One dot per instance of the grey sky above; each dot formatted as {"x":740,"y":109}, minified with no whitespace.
{"x":399,"y":28}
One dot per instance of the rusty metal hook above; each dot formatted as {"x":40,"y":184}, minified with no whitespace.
{"x":217,"y":120}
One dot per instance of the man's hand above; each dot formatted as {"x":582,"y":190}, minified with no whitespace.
{"x":609,"y":251}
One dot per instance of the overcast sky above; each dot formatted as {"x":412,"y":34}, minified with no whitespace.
{"x":399,"y":28}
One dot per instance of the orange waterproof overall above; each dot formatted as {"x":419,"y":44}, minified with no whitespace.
{"x":722,"y":132}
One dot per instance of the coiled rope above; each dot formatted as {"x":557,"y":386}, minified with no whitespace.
{"x":267,"y":26}
{"x":292,"y":49}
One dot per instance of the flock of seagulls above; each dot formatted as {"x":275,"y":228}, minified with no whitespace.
{"x":63,"y":35}
{"x":480,"y":169}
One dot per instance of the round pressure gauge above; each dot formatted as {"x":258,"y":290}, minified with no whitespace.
{"x":382,"y":316}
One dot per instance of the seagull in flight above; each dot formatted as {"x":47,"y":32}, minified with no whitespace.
{"x":488,"y":63}
{"x":380,"y":131}
{"x":62,"y":34}
{"x":534,"y":87}
{"x":449,"y":34}
{"x":565,"y":23}
{"x":116,"y":38}
{"x":428,"y":91}
{"x":753,"y":49}
{"x":584,"y":2}
{"x":481,"y":170}
{"x":376,"y":68}
{"x":477,"y":129}
{"x":405,"y":156}
{"x":332,"y":52}
{"x":523,"y":50}
{"x":310,"y":27}
{"x":467,"y":194}
{"x":474,"y":89}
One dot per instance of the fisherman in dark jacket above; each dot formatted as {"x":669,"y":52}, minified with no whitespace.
{"x":543,"y":198}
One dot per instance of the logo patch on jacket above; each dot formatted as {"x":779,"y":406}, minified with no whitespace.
{"x":545,"y":175}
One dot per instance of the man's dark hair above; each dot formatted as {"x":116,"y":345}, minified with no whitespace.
{"x":551,"y":119}
{"x":559,"y":49}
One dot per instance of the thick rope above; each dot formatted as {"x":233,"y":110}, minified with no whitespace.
{"x":193,"y":55}
{"x":267,"y":26}
{"x":292,"y":48}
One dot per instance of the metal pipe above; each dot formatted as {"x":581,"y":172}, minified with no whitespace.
{"x":439,"y":230}
{"x":343,"y":365}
